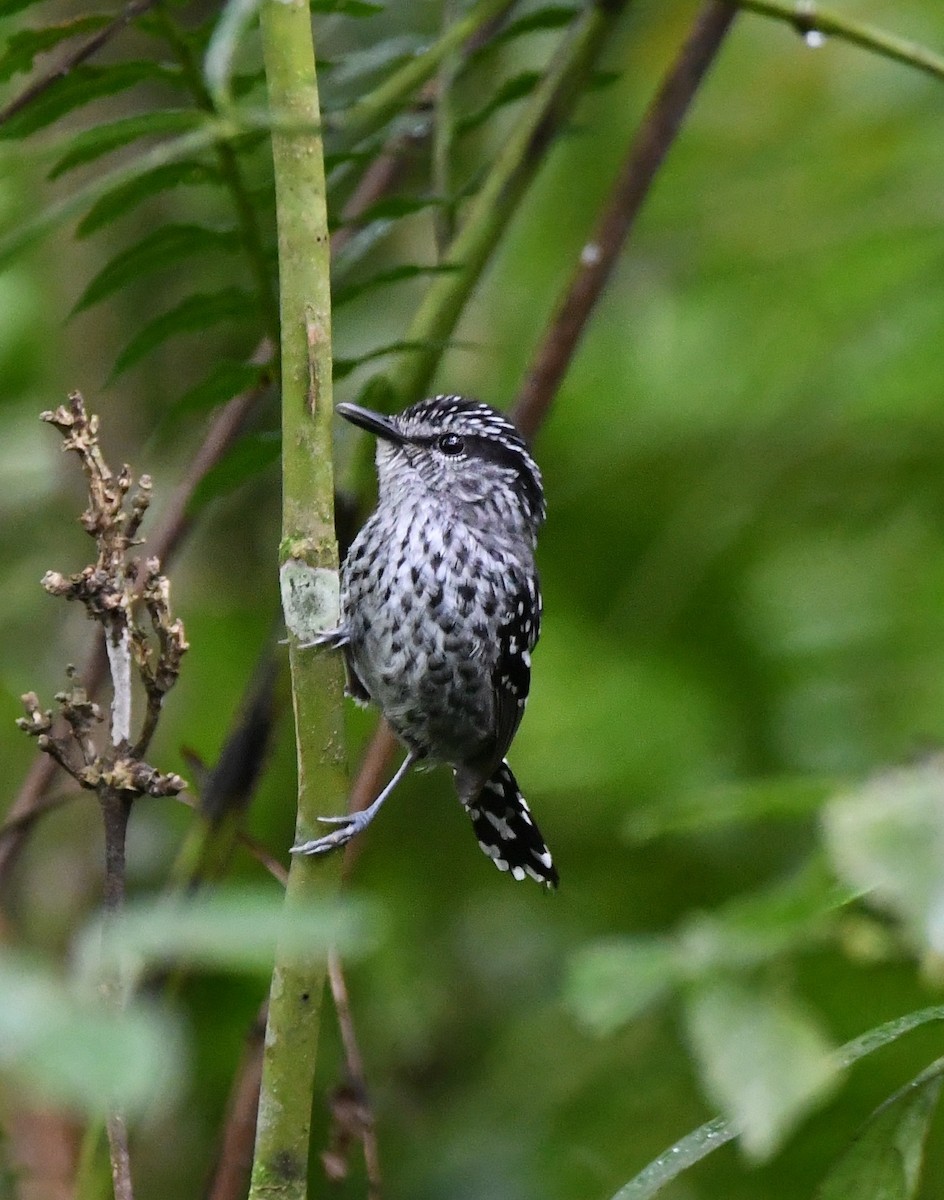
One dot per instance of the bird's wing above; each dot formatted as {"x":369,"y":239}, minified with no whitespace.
{"x":511,"y":677}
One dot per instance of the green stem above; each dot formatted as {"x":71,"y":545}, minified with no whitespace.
{"x":372,"y":112}
{"x":497,"y":200}
{"x":442,"y":148}
{"x":309,"y":554}
{"x":807,"y":17}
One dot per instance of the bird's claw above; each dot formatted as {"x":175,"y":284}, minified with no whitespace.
{"x":348,"y":826}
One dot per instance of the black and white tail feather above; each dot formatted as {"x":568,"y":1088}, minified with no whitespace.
{"x":506,"y":830}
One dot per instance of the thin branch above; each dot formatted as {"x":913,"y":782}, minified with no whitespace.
{"x":165,"y":541}
{"x":807,"y":17}
{"x":234,"y":1159}
{"x":81,"y":54}
{"x":652,"y":142}
{"x":106,"y":589}
{"x":353,"y":1115}
{"x":120,"y":1158}
{"x":366,"y":787}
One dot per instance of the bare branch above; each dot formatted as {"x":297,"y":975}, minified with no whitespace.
{"x":655,"y":136}
{"x":167,"y":537}
{"x":108,"y":590}
{"x":234,"y":1160}
{"x":351,"y":1112}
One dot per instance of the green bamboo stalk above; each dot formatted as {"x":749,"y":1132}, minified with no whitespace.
{"x":309,"y":565}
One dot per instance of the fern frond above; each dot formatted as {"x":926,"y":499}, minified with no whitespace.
{"x":345,"y":366}
{"x":509,"y":92}
{"x":192,"y":315}
{"x":123,"y":197}
{"x":541,"y":20}
{"x":103,"y":139}
{"x":23,"y":47}
{"x":80,"y":87}
{"x":345,"y":294}
{"x":227,"y":378}
{"x":165,"y":246}
{"x":249,"y":457}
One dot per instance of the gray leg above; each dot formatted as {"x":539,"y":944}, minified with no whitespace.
{"x":352,"y":824}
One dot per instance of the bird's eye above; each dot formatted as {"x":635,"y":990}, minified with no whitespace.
{"x":451,"y":443}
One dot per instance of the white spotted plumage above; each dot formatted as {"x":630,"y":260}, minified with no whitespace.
{"x":440,"y":607}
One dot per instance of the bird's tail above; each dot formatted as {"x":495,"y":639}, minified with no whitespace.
{"x":506,"y":830}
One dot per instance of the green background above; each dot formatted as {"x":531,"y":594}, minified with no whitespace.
{"x":743,"y":569}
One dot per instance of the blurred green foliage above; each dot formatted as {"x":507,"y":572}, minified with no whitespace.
{"x":744,"y":633}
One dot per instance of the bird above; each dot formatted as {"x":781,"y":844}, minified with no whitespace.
{"x":440,"y":608}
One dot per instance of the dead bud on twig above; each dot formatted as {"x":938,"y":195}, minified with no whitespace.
{"x":106,"y":588}
{"x":140,"y":634}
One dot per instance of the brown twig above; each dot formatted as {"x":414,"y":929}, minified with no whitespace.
{"x":113,"y":768}
{"x":352,"y":1115}
{"x":652,"y":142}
{"x":230,"y":1180}
{"x":131,"y":11}
{"x":120,"y":1156}
{"x":165,"y":541}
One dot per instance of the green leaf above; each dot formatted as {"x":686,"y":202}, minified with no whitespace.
{"x":192,"y":315}
{"x":229,"y":929}
{"x":755,"y":928}
{"x":510,"y":91}
{"x":227,"y":379}
{"x":791,"y":797}
{"x":611,"y":982}
{"x":357,"y":64}
{"x":701,"y":1142}
{"x":392,"y":208}
{"x":33,"y":228}
{"x":540,"y":21}
{"x":167,"y":245}
{"x":884,"y":1162}
{"x":343,"y":367}
{"x":103,"y":139}
{"x":23,"y":47}
{"x":231,"y":28}
{"x":887,"y":838}
{"x":762,"y":1059}
{"x":78,"y":1053}
{"x":250,"y":456}
{"x":9,"y":8}
{"x":80,"y":87}
{"x":395,"y":275}
{"x":126,"y":196}
{"x":346,"y":8}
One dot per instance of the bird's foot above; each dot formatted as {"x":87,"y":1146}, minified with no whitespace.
{"x":334,"y":639}
{"x":349,"y":826}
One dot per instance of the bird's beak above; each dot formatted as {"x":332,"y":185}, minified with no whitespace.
{"x":376,"y":423}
